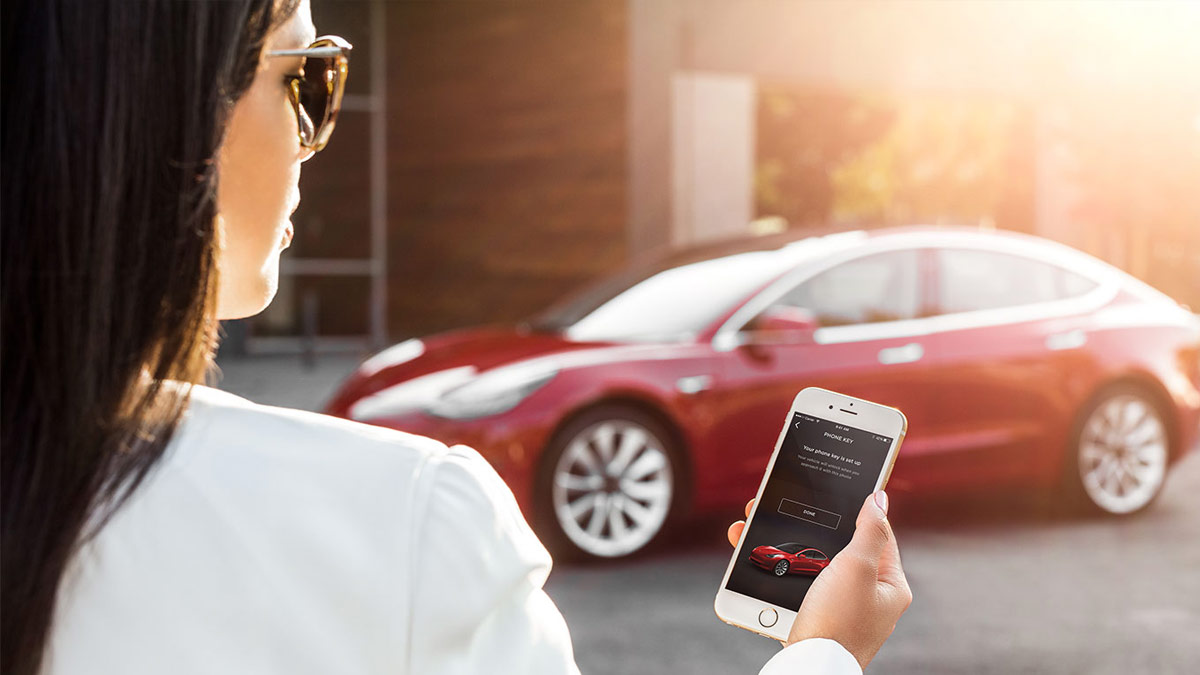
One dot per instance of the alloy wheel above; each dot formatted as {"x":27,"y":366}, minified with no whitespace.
{"x":1123,"y":452}
{"x":781,"y":568}
{"x":612,"y":488}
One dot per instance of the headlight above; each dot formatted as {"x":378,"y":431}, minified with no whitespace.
{"x":491,"y":393}
{"x":411,"y":395}
{"x":392,"y":356}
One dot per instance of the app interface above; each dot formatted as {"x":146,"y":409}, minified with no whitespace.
{"x":822,"y":475}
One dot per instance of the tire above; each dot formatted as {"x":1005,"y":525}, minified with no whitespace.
{"x":1119,"y":454}
{"x":608,"y":483}
{"x":781,"y":568}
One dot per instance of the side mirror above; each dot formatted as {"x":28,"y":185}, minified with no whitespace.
{"x":786,"y":320}
{"x":780,"y":325}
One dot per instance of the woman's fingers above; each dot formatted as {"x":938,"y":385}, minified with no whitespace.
{"x":736,"y":529}
{"x":735,"y":532}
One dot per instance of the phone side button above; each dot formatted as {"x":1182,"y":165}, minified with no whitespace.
{"x":768,"y":617}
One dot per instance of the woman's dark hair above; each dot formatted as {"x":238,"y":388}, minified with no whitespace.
{"x":113,"y":113}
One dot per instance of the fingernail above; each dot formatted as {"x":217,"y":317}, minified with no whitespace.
{"x":881,"y":500}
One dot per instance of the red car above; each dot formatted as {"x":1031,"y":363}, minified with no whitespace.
{"x":789,"y":559}
{"x":661,"y":390}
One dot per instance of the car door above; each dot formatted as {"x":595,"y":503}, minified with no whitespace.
{"x":1007,"y":336}
{"x":867,"y":340}
{"x":806,"y":562}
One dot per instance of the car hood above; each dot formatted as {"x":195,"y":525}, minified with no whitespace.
{"x":484,"y":348}
{"x":449,"y":359}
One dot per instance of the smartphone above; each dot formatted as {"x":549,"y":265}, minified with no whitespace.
{"x":833,"y":451}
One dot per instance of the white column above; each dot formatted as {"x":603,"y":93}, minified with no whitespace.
{"x":712,"y":151}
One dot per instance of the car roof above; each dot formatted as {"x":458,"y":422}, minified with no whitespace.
{"x":805,"y":244}
{"x":835,"y":237}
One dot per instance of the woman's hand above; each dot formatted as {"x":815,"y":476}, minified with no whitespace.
{"x":860,"y":596}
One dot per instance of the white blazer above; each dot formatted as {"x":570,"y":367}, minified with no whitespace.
{"x":270,"y":540}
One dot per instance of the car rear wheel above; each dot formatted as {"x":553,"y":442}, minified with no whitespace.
{"x":781,"y":568}
{"x":609,"y":484}
{"x":1121,"y":450}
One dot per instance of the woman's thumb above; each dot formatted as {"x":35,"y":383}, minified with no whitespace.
{"x":872,"y":532}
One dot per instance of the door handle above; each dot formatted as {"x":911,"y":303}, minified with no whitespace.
{"x":909,"y":353}
{"x":1073,"y":339}
{"x":693,"y":384}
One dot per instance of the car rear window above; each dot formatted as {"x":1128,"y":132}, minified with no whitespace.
{"x":972,"y":280}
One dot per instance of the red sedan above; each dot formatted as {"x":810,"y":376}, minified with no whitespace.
{"x":789,"y":559}
{"x":660,"y":391}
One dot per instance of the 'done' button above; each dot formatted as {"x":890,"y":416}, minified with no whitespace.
{"x":768,"y":617}
{"x":812,"y":514}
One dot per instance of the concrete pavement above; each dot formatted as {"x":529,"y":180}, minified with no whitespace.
{"x":999,"y":585}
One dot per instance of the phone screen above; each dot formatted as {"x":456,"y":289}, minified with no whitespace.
{"x":823,"y":473}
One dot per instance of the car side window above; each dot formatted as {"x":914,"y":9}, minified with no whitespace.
{"x":816,"y":555}
{"x":1071,"y":285}
{"x":971,"y":280}
{"x":872,"y":289}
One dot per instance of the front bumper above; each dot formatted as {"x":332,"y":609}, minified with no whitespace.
{"x":762,"y":562}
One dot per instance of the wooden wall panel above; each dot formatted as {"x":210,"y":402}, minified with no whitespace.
{"x":506,"y":147}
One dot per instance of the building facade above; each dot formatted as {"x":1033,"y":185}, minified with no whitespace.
{"x":493,"y":156}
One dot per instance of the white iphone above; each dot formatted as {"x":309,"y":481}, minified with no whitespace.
{"x":833,"y":451}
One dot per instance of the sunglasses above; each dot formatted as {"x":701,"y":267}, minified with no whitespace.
{"x":317,"y":92}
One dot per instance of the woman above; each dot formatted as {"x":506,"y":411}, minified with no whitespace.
{"x":151,"y":156}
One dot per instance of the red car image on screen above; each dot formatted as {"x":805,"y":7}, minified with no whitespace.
{"x":789,"y":558}
{"x":660,"y":391}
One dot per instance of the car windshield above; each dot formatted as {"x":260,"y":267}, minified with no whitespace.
{"x":790,"y":548}
{"x":674,"y":298}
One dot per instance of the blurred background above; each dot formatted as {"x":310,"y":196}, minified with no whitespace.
{"x":493,"y":156}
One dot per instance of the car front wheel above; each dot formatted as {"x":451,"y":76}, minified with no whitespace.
{"x":1121,"y":452}
{"x":608,"y":485}
{"x":781,"y":568}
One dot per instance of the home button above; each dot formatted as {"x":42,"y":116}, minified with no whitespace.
{"x":768,"y":617}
